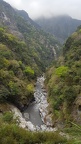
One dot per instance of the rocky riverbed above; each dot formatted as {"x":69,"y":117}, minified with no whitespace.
{"x":36,"y":117}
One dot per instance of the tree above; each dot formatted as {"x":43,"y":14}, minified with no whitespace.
{"x":29,"y":71}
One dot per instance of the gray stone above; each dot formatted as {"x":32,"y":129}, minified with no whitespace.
{"x":26,"y":116}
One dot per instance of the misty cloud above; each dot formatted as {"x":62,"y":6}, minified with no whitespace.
{"x":48,"y":8}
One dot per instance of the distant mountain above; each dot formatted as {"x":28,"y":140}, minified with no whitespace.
{"x":61,"y":26}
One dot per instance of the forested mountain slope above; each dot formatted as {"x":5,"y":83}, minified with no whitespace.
{"x":64,"y":83}
{"x":40,"y":45}
{"x":60,"y":26}
{"x":25,"y":52}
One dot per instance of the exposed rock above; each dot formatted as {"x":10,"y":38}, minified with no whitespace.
{"x":43,"y":127}
{"x":22,"y":122}
{"x":43,"y":108}
{"x":26,"y":116}
{"x":30,"y":126}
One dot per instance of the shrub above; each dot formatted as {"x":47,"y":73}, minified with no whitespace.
{"x":69,"y":94}
{"x":30,"y":88}
{"x":13,"y":88}
{"x":62,"y":71}
{"x":29,"y":71}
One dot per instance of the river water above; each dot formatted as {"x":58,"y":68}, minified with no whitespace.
{"x":37,"y":112}
{"x":33,"y":108}
{"x":34,"y":115}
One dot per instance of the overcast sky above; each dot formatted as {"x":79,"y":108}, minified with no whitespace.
{"x":48,"y":8}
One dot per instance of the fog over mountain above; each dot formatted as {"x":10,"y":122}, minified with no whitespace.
{"x":61,"y":26}
{"x":48,"y":8}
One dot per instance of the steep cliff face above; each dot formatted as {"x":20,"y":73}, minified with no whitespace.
{"x":64,"y":82}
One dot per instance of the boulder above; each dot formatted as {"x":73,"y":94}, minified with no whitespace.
{"x":26,"y":116}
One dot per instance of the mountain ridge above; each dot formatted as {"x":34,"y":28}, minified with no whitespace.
{"x":60,"y":26}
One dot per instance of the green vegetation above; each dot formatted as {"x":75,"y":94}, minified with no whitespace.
{"x":14,"y":135}
{"x":7,"y":117}
{"x":61,"y":71}
{"x":29,"y":72}
{"x":74,"y":132}
{"x":64,"y":81}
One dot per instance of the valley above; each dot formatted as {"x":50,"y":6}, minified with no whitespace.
{"x":40,"y":78}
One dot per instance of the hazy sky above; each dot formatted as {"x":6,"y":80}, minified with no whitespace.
{"x":47,"y":8}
